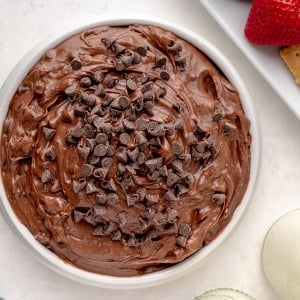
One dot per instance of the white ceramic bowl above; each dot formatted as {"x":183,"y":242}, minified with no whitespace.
{"x":48,"y":257}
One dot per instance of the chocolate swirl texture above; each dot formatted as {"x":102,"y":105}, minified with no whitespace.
{"x":125,"y":150}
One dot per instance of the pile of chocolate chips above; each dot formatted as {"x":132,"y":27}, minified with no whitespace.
{"x":120,"y":131}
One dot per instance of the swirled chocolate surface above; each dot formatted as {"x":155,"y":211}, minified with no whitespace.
{"x":125,"y":150}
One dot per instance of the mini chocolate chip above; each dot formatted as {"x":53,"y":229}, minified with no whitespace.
{"x":128,"y":125}
{"x":97,"y":77}
{"x":114,"y":114}
{"x":85,"y":82}
{"x":152,"y":199}
{"x":100,"y":173}
{"x":112,"y":199}
{"x":184,"y":229}
{"x":71,"y":90}
{"x":148,"y":107}
{"x":77,"y":131}
{"x":124,"y":102}
{"x":148,"y":96}
{"x":101,"y":138}
{"x":141,"y":158}
{"x":154,"y":176}
{"x":181,"y":241}
{"x":154,"y":163}
{"x":133,"y":154}
{"x":100,"y":150}
{"x":160,"y":219}
{"x":160,"y":60}
{"x":110,"y":151}
{"x":130,"y":114}
{"x":116,"y":235}
{"x":172,"y":214}
{"x":90,"y":188}
{"x":127,"y":60}
{"x":78,"y":215}
{"x":49,"y":133}
{"x":196,"y":156}
{"x":201,"y":146}
{"x":108,"y":42}
{"x":175,"y":47}
{"x":50,"y":153}
{"x":191,"y":139}
{"x":132,"y":242}
{"x":144,"y":78}
{"x":141,"y":124}
{"x":78,"y":185}
{"x":117,"y":49}
{"x":109,"y":185}
{"x":141,"y":50}
{"x":169,"y":128}
{"x":119,"y":128}
{"x":136,"y":58}
{"x":87,"y":170}
{"x":155,"y":129}
{"x":47,"y":177}
{"x":122,"y":218}
{"x":172,"y":179}
{"x":161,"y":92}
{"x":131,"y":85}
{"x":141,"y":191}
{"x":88,"y":99}
{"x":178,"y":124}
{"x":83,"y":151}
{"x":124,"y":138}
{"x":70,"y":139}
{"x":90,"y":217}
{"x":94,"y":160}
{"x":106,"y":162}
{"x":164,"y":75}
{"x":163,"y":171}
{"x":119,"y":65}
{"x":80,"y":111}
{"x":185,"y":157}
{"x":89,"y":131}
{"x":188,"y":180}
{"x":90,"y":143}
{"x":122,"y":156}
{"x":180,"y":62}
{"x":146,"y":87}
{"x":219,"y":198}
{"x":178,"y":107}
{"x":170,"y":196}
{"x":180,"y":189}
{"x":76,"y":64}
{"x":115,"y":104}
{"x":106,"y":127}
{"x":177,"y":166}
{"x":111,"y":81}
{"x":99,"y":230}
{"x":101,"y":198}
{"x":100,"y":210}
{"x":132,"y":199}
{"x":176,"y":148}
{"x":155,"y":142}
{"x":144,"y":148}
{"x":99,"y":91}
{"x":98,"y":122}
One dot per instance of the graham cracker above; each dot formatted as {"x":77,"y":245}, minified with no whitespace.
{"x":291,"y":57}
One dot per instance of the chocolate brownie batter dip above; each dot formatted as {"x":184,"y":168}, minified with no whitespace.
{"x":125,"y":150}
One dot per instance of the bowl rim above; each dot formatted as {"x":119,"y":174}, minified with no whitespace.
{"x":175,"y":271}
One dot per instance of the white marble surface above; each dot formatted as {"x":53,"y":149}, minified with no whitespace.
{"x":237,"y":263}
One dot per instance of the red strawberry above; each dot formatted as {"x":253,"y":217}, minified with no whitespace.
{"x":274,"y":22}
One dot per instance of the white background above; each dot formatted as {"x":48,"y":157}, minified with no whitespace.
{"x":237,"y":263}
